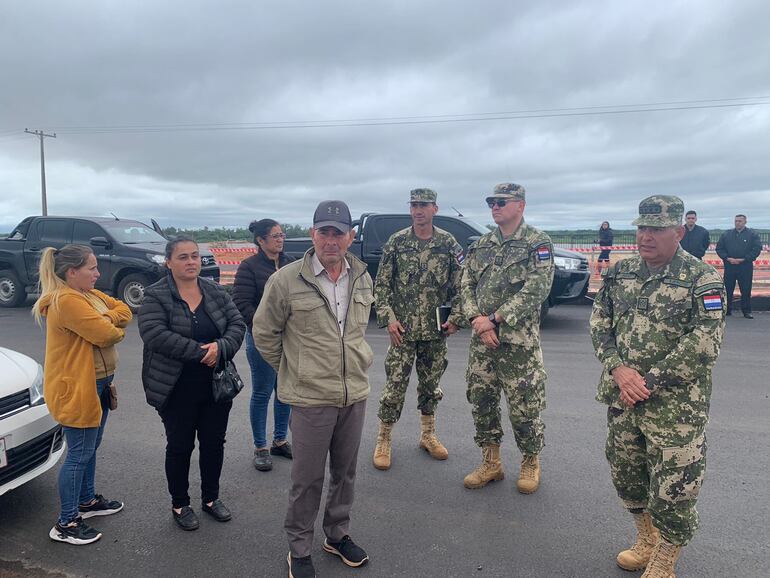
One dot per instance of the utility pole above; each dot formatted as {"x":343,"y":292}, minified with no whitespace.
{"x":41,"y":135}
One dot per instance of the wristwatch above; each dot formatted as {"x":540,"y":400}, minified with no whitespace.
{"x":494,"y":321}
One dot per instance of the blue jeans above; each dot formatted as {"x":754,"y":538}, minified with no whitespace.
{"x":76,"y":476}
{"x":264,"y":382}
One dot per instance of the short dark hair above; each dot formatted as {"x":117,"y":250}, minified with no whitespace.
{"x":688,"y":213}
{"x":174,"y":241}
{"x":262,"y":228}
{"x":740,"y":215}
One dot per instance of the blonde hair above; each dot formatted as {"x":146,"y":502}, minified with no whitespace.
{"x":54,"y":264}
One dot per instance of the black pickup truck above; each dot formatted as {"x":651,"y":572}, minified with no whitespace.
{"x":129,"y":254}
{"x":570,"y":281}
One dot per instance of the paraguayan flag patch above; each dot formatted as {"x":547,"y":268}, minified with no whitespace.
{"x":543,"y":253}
{"x":712,"y":302}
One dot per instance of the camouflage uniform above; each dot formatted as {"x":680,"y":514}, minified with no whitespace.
{"x":511,"y":277}
{"x":413,"y":279}
{"x":668,"y":326}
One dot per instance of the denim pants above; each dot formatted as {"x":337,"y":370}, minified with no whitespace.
{"x":76,"y":476}
{"x":263,"y":384}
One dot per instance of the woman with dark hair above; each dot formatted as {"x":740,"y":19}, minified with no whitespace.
{"x":250,"y":280}
{"x":187,"y":323}
{"x":605,"y":242}
{"x":83,"y":325}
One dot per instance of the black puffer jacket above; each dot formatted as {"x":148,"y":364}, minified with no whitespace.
{"x":165,"y":325}
{"x":250,"y":280}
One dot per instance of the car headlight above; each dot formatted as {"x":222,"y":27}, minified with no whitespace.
{"x":155,"y":258}
{"x":36,"y":389}
{"x":567,"y":263}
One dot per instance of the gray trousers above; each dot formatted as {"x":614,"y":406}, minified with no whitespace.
{"x":316,"y":432}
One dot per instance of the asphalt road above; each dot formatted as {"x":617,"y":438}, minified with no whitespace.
{"x":416,"y":519}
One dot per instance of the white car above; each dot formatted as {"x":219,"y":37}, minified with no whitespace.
{"x":31,"y":442}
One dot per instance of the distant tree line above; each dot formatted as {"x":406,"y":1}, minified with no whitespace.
{"x":208,"y":235}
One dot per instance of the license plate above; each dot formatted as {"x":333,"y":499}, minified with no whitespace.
{"x":3,"y":454}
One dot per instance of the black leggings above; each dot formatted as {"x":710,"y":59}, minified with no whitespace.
{"x":182,"y":421}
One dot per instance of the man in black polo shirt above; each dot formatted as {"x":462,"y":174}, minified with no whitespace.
{"x":739,"y":248}
{"x":696,"y":238}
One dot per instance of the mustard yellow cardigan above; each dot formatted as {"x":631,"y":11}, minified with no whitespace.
{"x":73,"y":327}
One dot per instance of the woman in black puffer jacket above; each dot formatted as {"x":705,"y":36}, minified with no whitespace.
{"x":185,"y":322}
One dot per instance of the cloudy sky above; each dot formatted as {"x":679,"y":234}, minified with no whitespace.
{"x":216,"y":113}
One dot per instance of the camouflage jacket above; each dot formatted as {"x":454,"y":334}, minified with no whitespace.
{"x":511,"y":277}
{"x":667,"y":326}
{"x":412,"y":281}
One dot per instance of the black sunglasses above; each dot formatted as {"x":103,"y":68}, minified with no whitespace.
{"x":499,"y":202}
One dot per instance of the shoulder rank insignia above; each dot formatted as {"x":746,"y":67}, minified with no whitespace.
{"x":712,"y":302}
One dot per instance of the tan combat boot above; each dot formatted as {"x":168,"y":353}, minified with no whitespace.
{"x":382,"y":449}
{"x":428,"y":440}
{"x":529,"y":476}
{"x":647,"y":537}
{"x":491,"y":468}
{"x":664,"y":557}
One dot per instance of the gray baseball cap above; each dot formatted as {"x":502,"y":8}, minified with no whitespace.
{"x":332,"y":214}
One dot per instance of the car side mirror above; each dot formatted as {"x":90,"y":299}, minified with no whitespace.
{"x":99,"y":242}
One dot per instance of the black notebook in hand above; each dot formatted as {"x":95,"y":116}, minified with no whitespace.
{"x":442,"y":315}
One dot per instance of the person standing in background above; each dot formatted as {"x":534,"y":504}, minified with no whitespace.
{"x":249,"y":285}
{"x":605,"y":242}
{"x":739,"y":248}
{"x":696,"y":238}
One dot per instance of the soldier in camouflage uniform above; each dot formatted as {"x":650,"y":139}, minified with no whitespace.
{"x":657,"y":326}
{"x":506,"y":277}
{"x":420,"y":270}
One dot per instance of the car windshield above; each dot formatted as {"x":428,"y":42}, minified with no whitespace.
{"x":131,"y":233}
{"x":480,"y":229}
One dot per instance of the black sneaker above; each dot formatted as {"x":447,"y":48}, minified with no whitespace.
{"x":78,"y":533}
{"x":187,"y":519}
{"x":262,"y":460}
{"x":283,"y":450}
{"x":100,"y":507}
{"x":748,"y":315}
{"x":352,"y":555}
{"x":300,"y":567}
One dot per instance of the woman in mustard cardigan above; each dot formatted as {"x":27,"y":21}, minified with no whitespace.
{"x":83,"y":325}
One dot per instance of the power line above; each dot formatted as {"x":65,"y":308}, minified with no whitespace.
{"x":637,"y":108}
{"x":41,"y":135}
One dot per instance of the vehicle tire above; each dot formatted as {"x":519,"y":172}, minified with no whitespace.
{"x":131,"y":290}
{"x":12,"y":292}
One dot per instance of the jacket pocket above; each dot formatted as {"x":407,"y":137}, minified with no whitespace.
{"x":308,"y":311}
{"x":362,"y":306}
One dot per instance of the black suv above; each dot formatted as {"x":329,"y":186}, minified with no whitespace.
{"x":129,"y":253}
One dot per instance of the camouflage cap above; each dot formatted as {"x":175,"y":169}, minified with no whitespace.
{"x":660,"y":211}
{"x":422,"y":196}
{"x":508,"y":191}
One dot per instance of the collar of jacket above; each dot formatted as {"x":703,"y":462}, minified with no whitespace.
{"x":518,"y":234}
{"x":413,"y":240}
{"x":282,"y":260}
{"x":671,"y":270}
{"x":174,"y":290}
{"x":357,"y":267}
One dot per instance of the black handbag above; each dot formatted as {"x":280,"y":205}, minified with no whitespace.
{"x":226,"y":383}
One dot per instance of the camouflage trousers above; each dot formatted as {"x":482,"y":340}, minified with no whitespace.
{"x":519,"y":373}
{"x":658,"y":469}
{"x":431,"y":362}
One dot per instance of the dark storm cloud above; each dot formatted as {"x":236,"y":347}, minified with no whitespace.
{"x":113,"y":64}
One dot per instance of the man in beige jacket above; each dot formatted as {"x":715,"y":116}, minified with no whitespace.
{"x":310,"y":327}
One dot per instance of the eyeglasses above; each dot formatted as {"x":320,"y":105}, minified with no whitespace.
{"x":277,"y":236}
{"x":499,"y":202}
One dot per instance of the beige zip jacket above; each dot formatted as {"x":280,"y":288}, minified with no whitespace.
{"x":296,"y":332}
